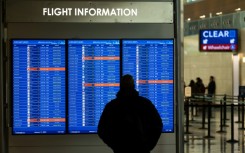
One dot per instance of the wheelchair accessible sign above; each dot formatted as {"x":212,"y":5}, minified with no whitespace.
{"x":218,"y":40}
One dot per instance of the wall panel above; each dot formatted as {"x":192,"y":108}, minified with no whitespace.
{"x":82,"y":143}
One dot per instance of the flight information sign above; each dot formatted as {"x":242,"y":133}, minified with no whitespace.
{"x":94,"y":77}
{"x":218,"y":40}
{"x":151,"y":63}
{"x":39,"y":97}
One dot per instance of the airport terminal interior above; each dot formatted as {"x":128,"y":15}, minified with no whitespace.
{"x":194,"y":72}
{"x":225,"y":134}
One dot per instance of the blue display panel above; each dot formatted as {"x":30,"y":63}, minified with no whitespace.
{"x":39,"y":97}
{"x":218,"y":40}
{"x":151,"y":63}
{"x":94,"y":76}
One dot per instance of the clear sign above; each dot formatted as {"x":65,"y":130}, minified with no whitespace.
{"x":218,"y":40}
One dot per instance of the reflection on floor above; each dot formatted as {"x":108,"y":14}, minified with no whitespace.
{"x":197,"y":143}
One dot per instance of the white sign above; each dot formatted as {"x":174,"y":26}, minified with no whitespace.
{"x":90,"y":12}
{"x":187,"y":91}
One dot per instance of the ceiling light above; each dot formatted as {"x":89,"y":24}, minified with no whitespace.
{"x":238,"y":9}
{"x":219,"y":13}
{"x":202,"y":16}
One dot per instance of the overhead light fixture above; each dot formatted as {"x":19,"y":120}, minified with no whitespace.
{"x":202,"y":16}
{"x":219,"y":13}
{"x":238,"y":9}
{"x":189,"y":19}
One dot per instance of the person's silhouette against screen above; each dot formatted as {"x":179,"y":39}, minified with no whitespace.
{"x":130,"y":123}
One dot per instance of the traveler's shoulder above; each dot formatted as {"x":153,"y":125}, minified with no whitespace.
{"x":146,"y":100}
{"x":112,"y":103}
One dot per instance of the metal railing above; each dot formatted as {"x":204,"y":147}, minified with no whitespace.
{"x":221,"y":101}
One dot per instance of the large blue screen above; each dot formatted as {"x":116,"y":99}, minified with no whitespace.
{"x":93,"y":71}
{"x":94,"y":76}
{"x":151,"y":62}
{"x":218,"y":40}
{"x":39,"y":97}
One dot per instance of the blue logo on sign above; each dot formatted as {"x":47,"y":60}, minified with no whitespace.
{"x":233,"y":47}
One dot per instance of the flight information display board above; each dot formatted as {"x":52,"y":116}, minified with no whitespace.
{"x":39,"y":86}
{"x":94,"y":77}
{"x":151,"y":63}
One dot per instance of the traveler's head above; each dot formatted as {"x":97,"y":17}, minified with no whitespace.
{"x":127,"y":82}
{"x":198,"y":79}
{"x":211,"y":78}
{"x":192,"y":82}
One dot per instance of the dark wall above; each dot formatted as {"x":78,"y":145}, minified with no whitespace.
{"x":3,"y":128}
{"x":205,"y":7}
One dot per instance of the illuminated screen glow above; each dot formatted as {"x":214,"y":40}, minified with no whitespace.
{"x":39,"y":98}
{"x":218,"y":40}
{"x":151,"y":62}
{"x":94,"y":76}
{"x":56,"y":94}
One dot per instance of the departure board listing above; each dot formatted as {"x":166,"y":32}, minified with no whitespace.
{"x":94,"y":76}
{"x":151,"y":62}
{"x":39,"y":97}
{"x":57,"y":94}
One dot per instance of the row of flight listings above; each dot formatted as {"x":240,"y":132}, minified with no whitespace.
{"x":62,"y":86}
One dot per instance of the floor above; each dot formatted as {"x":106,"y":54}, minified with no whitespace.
{"x":197,"y":143}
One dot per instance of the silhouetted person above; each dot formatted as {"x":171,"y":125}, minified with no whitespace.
{"x":130,"y":123}
{"x":200,"y":88}
{"x":192,"y":84}
{"x":211,"y":87}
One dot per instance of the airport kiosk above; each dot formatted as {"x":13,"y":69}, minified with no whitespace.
{"x":64,"y":60}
